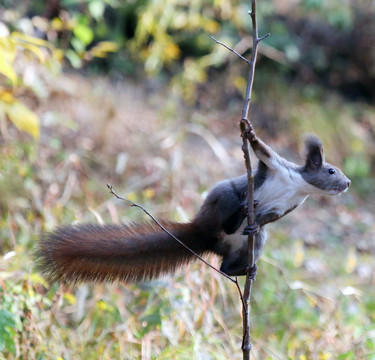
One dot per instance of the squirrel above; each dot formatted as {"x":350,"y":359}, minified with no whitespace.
{"x":143,"y":251}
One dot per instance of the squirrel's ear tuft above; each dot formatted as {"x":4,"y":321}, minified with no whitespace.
{"x":314,"y":152}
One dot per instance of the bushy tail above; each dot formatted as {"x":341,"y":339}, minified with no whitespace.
{"x":133,"y":253}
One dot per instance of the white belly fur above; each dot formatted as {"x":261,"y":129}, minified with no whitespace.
{"x":281,"y":191}
{"x":236,"y":240}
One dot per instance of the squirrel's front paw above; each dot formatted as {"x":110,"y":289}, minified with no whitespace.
{"x":252,"y":229}
{"x":245,"y":209}
{"x":251,"y":134}
{"x":252,"y":272}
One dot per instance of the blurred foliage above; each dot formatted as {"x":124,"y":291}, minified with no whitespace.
{"x":315,"y":41}
{"x":29,"y":81}
{"x":317,"y":46}
{"x":15,"y":49}
{"x":314,"y":296}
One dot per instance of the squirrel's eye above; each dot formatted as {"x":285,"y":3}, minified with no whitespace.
{"x":331,"y":171}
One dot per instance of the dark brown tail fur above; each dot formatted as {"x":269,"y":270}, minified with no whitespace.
{"x":133,"y":253}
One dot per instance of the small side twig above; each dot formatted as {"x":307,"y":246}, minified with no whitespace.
{"x":132,"y":203}
{"x":230,"y":49}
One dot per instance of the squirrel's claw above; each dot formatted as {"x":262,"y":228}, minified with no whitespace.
{"x":245,"y":209}
{"x":250,"y":134}
{"x":252,"y":272}
{"x":252,"y":229}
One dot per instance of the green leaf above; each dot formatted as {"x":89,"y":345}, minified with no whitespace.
{"x":30,"y":39}
{"x":7,"y":331}
{"x":83,"y":33}
{"x":370,"y":344}
{"x":74,"y":58}
{"x":357,"y":166}
{"x":349,"y":355}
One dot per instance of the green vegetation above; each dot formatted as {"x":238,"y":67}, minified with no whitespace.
{"x":161,"y":131}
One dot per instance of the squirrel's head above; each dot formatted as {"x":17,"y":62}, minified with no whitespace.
{"x":326,"y":178}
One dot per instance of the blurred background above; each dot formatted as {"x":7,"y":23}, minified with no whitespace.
{"x":136,"y":94}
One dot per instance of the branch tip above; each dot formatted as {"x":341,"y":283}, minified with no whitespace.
{"x":264,"y":37}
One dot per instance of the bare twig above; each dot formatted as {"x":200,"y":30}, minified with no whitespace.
{"x":230,"y":49}
{"x":254,"y":53}
{"x":132,"y":203}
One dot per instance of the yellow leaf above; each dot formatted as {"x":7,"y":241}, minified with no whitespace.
{"x":8,"y":49}
{"x":30,"y":39}
{"x":107,"y":46}
{"x":148,"y":193}
{"x":6,"y":97}
{"x":357,"y":145}
{"x":325,"y":356}
{"x":70,"y":298}
{"x":7,"y":70}
{"x":132,"y":196}
{"x":351,"y":261}
{"x":30,"y":216}
{"x":37,"y":279}
{"x":240,"y":83}
{"x":102,"y":305}
{"x":312,"y":302}
{"x":22,"y":117}
{"x":171,"y":52}
{"x":57,"y":24}
{"x":102,"y":48}
{"x":8,"y":53}
{"x":58,"y":55}
{"x":36,"y":50}
{"x":211,"y":26}
{"x":299,"y":254}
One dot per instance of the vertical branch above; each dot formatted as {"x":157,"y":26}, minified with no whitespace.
{"x":246,"y":344}
{"x":244,"y":127}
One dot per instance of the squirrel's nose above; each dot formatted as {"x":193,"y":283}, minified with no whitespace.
{"x":348,"y":182}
